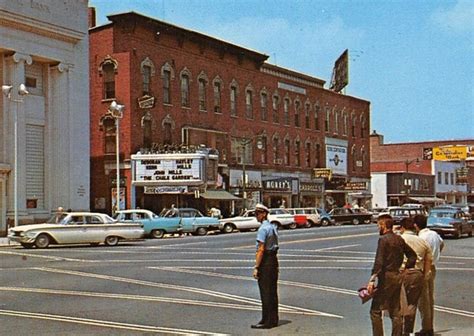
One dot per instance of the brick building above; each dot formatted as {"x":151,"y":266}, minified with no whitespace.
{"x":410,"y":175}
{"x":270,"y":126}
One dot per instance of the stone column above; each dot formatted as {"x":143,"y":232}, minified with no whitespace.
{"x":59,"y":137}
{"x":15,"y":70}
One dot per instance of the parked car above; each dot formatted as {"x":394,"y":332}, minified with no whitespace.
{"x":190,"y":220}
{"x":76,"y":228}
{"x":399,"y":213}
{"x":302,"y":216}
{"x":247,"y":221}
{"x":376,"y":212}
{"x":154,"y":225}
{"x":325,"y":218}
{"x":348,"y":215}
{"x":281,"y":218}
{"x":449,"y":221}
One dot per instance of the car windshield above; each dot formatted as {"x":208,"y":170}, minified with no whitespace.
{"x":442,"y":214}
{"x":57,"y":219}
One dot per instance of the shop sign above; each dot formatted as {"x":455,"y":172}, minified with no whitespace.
{"x":461,"y":175}
{"x":325,"y":173}
{"x":165,"y":190}
{"x":311,"y":187}
{"x":355,"y":186}
{"x":336,"y":159}
{"x":168,"y":169}
{"x":146,"y":102}
{"x":335,"y":184}
{"x":450,"y":153}
{"x":278,"y":185}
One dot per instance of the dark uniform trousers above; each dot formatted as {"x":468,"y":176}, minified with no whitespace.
{"x":413,"y":283}
{"x":387,"y":297}
{"x":267,"y":283}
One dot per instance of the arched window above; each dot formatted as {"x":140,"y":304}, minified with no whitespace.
{"x":307,"y":111}
{"x":354,"y":158}
{"x":353,"y":125}
{"x":275,"y":147}
{"x":109,"y":135}
{"x":202,"y":83}
{"x":147,"y":130}
{"x":263,"y":105}
{"x":317,"y":157}
{"x":217,"y":85}
{"x":297,"y":112}
{"x":344,"y":127}
{"x":275,"y":105}
{"x":362,"y":126}
{"x":107,"y":70}
{"x":287,"y":145}
{"x":263,"y":150}
{"x":185,"y":86}
{"x":147,"y":70}
{"x":167,"y":74}
{"x":308,"y":153}
{"x":317,"y":111}
{"x":234,"y":91}
{"x":327,"y":119}
{"x":297,"y":152}
{"x":336,"y":120}
{"x":286,"y":111}
{"x":249,"y":102}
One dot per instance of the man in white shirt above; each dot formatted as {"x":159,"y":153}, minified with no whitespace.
{"x":426,"y":304}
{"x":413,"y":279}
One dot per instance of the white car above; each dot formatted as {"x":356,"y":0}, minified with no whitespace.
{"x":282,"y":218}
{"x":247,"y":221}
{"x":76,"y":228}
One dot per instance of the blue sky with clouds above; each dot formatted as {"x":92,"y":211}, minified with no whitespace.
{"x":413,"y":60}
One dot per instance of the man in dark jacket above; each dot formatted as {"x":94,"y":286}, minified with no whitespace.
{"x":391,"y":250}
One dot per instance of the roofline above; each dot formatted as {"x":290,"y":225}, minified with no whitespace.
{"x":252,"y":53}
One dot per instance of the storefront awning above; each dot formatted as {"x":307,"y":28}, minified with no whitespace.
{"x":219,"y":195}
{"x":427,"y":199}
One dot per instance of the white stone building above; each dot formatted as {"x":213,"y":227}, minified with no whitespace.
{"x":44,"y":45}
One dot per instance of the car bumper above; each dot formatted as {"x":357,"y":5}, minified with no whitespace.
{"x":444,"y":230}
{"x":21,"y":239}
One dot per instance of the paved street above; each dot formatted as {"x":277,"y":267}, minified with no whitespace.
{"x":203,"y":285}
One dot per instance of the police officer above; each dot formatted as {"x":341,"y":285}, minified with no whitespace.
{"x":266,"y":269}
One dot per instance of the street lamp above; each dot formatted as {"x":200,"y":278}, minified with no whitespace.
{"x":409,"y":162}
{"x":116,"y":111}
{"x":244,"y":143}
{"x":7,"y":91}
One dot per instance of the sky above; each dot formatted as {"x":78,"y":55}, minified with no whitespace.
{"x":413,"y":60}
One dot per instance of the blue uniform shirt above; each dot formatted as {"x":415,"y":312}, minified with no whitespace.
{"x":267,"y":234}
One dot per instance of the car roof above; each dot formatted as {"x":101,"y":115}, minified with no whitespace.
{"x":134,"y":210}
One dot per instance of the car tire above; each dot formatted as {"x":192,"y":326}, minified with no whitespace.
{"x":228,"y":228}
{"x":458,"y":234}
{"x":42,"y":241}
{"x":201,"y":231}
{"x":111,"y":240}
{"x":292,"y":226}
{"x":308,"y":224}
{"x":157,"y":234}
{"x":355,"y":221}
{"x":324,"y":222}
{"x":27,"y":245}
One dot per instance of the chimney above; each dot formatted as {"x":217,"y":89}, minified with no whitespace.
{"x":376,"y":138}
{"x":91,"y":17}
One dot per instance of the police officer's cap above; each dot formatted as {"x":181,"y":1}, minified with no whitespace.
{"x":261,"y":207}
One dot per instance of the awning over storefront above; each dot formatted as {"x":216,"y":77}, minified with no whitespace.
{"x":427,"y":199}
{"x":219,"y":195}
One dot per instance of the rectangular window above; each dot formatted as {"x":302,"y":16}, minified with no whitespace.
{"x":185,"y":91}
{"x":317,"y":110}
{"x":440,"y":178}
{"x":308,"y":154}
{"x":263,"y":150}
{"x":249,"y":104}
{"x":452,"y":178}
{"x":233,"y":101}
{"x":326,"y":121}
{"x":446,"y":178}
{"x":146,"y":72}
{"x":202,"y":95}
{"x":344,"y":125}
{"x":109,"y":80}
{"x":263,"y":106}
{"x":217,"y":97}
{"x":166,"y":87}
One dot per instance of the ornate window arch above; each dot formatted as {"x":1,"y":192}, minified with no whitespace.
{"x":167,"y":75}
{"x":107,"y":70}
{"x":168,"y":125}
{"x":264,"y":104}
{"x":234,"y":93}
{"x":249,"y":94}
{"x":317,"y":116}
{"x":202,"y":83}
{"x":147,"y":126}
{"x":286,"y":109}
{"x":275,"y":107}
{"x":217,"y":84}
{"x":185,"y":78}
{"x":147,"y":69}
{"x":275,"y":148}
{"x":297,"y":111}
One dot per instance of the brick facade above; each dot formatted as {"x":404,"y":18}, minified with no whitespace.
{"x":132,"y":42}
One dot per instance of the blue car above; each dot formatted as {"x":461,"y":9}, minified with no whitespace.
{"x":325,"y":219}
{"x":173,"y":220}
{"x":449,"y":221}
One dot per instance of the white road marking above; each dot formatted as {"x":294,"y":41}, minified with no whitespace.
{"x":40,"y":256}
{"x":454,"y":311}
{"x":105,"y":324}
{"x":200,"y":291}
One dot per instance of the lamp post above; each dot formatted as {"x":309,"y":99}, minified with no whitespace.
{"x":116,"y":110}
{"x":7,"y":91}
{"x":244,"y":143}
{"x":409,"y":162}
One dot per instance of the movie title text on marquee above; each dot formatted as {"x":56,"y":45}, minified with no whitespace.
{"x":168,"y":171}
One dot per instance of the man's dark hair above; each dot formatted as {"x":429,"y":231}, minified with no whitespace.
{"x":387,"y":220}
{"x":408,"y":224}
{"x":420,"y":221}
